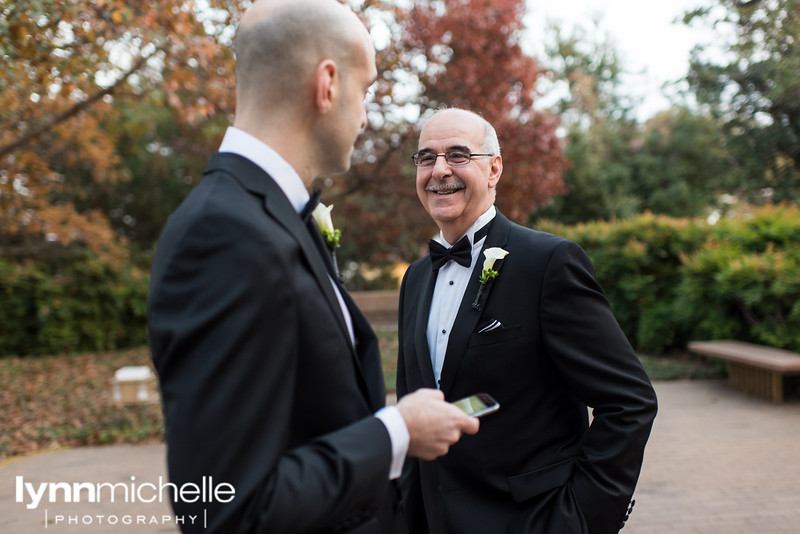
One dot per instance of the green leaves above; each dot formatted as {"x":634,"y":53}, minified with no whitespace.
{"x":487,"y":275}
{"x":77,"y":302}
{"x":745,"y":292}
{"x":673,"y":280}
{"x":754,"y":88}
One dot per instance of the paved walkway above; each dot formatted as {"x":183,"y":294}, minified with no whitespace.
{"x":718,"y":462}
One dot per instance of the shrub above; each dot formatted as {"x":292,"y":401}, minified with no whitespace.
{"x":673,"y":280}
{"x":668,"y":281}
{"x":637,"y":261}
{"x":72,"y":302}
{"x":728,"y":292}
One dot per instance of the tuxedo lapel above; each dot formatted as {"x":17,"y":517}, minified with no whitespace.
{"x":366,"y":352}
{"x":368,"y":361}
{"x":422,"y":349}
{"x":258,"y":182}
{"x":467,"y":317}
{"x":322,"y":248}
{"x":497,"y":237}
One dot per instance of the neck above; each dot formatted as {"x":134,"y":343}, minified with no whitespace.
{"x":277,"y":133}
{"x":453,"y":234}
{"x":454,"y":231}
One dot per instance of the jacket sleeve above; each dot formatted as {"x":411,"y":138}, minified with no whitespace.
{"x":586,"y":344}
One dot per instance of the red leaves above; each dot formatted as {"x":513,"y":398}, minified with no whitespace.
{"x":463,"y":53}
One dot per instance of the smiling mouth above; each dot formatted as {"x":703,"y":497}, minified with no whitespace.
{"x":445,"y":189}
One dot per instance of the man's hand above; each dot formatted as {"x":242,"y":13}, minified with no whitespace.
{"x":433,"y":424}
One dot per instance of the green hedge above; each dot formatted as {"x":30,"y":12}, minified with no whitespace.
{"x":74,"y":302}
{"x":669,"y":281}
{"x":673,"y":280}
{"x":745,"y":282}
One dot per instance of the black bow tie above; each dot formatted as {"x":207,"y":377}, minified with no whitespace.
{"x":460,"y":253}
{"x":305,"y":213}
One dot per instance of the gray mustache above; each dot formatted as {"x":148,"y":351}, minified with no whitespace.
{"x":445,"y":187}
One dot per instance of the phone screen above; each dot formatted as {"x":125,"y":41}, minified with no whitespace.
{"x":477,"y":405}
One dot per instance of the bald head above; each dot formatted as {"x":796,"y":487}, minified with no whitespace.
{"x":455,"y":196}
{"x":490,"y":145}
{"x":279,"y":43}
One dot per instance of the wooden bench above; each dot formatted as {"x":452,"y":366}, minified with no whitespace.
{"x":754,"y":369}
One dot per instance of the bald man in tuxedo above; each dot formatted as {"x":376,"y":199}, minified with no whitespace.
{"x":539,"y":337}
{"x":270,"y":375}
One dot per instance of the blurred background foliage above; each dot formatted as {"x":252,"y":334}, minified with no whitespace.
{"x":109,"y":111}
{"x":673,"y":280}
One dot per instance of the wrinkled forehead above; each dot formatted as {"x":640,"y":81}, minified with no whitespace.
{"x":452,"y":129}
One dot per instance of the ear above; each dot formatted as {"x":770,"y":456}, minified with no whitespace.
{"x":495,"y":170}
{"x":325,"y":85}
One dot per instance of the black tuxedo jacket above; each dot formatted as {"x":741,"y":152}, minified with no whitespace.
{"x":262,"y":387}
{"x":535,"y":466}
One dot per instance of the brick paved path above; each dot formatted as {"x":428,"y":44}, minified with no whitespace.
{"x":719,"y":462}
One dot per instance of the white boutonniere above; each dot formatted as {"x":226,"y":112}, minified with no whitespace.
{"x":488,"y":273}
{"x":322,"y":216}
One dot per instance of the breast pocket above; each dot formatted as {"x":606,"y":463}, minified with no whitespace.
{"x":497,"y":336}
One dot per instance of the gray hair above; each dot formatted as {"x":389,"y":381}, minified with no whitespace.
{"x":491,"y":145}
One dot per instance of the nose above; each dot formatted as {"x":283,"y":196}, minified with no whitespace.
{"x":441,"y":168}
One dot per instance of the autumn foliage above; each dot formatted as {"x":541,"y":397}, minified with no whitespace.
{"x":447,"y":54}
{"x":67,"y":401}
{"x":473,"y":59}
{"x":63,"y":63}
{"x":79,"y":77}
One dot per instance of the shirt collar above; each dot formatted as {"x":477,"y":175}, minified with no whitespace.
{"x":483,"y":220}
{"x":239,"y":142}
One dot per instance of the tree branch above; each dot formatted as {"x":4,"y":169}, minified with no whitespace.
{"x":74,"y":110}
{"x":375,"y":169}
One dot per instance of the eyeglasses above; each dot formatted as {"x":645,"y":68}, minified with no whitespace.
{"x":453,"y":158}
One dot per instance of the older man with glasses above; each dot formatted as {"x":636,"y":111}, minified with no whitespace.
{"x":501,"y":309}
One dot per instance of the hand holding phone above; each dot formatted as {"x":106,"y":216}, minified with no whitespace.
{"x":477,"y":405}
{"x":434,"y":425}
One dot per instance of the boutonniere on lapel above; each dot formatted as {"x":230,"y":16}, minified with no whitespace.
{"x":488,"y":273}
{"x":322,"y":216}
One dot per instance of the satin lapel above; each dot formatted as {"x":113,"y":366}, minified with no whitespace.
{"x":366,"y":355}
{"x":368,"y":361}
{"x":255,"y":180}
{"x":423,"y":351}
{"x":467,"y":318}
{"x":294,"y":225}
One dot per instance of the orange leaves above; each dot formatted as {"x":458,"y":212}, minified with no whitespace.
{"x":64,"y":66}
{"x":120,"y":15}
{"x":63,"y":401}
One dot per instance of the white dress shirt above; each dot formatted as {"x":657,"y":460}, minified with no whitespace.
{"x":239,"y":142}
{"x":448,"y":293}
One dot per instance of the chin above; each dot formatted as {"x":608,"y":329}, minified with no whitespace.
{"x":339,"y":167}
{"x":444,"y":215}
{"x":450,"y":203}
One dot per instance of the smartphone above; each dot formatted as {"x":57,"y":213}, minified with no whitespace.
{"x":478,"y":405}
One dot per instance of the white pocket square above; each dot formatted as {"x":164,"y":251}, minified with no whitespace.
{"x":494,"y":325}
